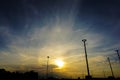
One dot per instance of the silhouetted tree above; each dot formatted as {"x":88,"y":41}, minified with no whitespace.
{"x":6,"y":75}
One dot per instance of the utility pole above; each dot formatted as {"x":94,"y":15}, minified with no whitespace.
{"x":110,"y":67}
{"x":84,"y":40}
{"x":118,"y":55}
{"x":47,"y":66}
{"x":104,"y":74}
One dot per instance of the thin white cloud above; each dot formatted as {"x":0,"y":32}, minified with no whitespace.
{"x":56,"y":39}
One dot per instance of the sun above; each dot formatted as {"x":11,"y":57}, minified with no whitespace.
{"x":59,"y":63}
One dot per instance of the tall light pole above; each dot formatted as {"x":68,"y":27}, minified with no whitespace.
{"x":47,"y":66}
{"x":104,"y":73}
{"x":110,"y":67}
{"x":118,"y":54}
{"x":84,"y":40}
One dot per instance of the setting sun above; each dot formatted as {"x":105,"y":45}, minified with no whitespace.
{"x":59,"y":63}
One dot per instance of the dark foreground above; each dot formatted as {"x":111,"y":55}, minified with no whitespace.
{"x":31,"y":75}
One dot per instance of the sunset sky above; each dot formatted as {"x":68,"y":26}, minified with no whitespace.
{"x":31,"y":30}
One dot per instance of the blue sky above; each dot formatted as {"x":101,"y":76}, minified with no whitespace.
{"x":30,"y":30}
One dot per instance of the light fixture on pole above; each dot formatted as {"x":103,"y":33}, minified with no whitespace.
{"x":84,"y":40}
{"x":110,"y":67}
{"x":47,"y":66}
{"x":118,"y":55}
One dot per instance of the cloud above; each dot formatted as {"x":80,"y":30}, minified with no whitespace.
{"x":57,"y":38}
{"x":56,"y":42}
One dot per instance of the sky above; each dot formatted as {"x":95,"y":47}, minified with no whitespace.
{"x":31,"y":30}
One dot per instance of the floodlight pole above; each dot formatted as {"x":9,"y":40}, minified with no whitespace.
{"x":104,"y":73}
{"x":84,"y":40}
{"x":118,"y":54}
{"x":110,"y":67}
{"x":47,"y":66}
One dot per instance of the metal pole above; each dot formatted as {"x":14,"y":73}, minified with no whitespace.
{"x":104,"y":74}
{"x":84,"y":40}
{"x":47,"y":66}
{"x":118,"y":54}
{"x":110,"y":67}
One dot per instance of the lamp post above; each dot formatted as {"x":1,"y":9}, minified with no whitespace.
{"x":110,"y":67}
{"x":47,"y":66}
{"x":84,"y":40}
{"x":118,"y":54}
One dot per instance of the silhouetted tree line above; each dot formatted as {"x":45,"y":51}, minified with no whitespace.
{"x":6,"y":75}
{"x":31,"y":75}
